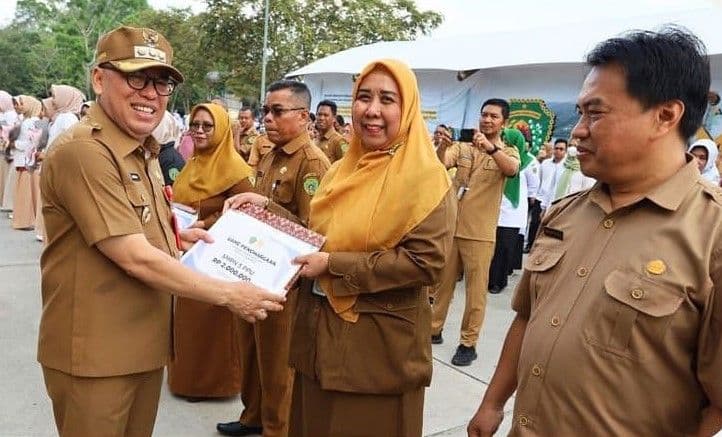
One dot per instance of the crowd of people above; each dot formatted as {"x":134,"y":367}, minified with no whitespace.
{"x":617,"y":323}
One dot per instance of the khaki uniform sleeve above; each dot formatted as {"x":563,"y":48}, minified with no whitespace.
{"x":85,"y":181}
{"x":255,"y":155}
{"x":709,"y":348}
{"x":449,"y":156}
{"x":243,"y":186}
{"x":304,"y":193}
{"x":512,"y":151}
{"x":416,"y":261}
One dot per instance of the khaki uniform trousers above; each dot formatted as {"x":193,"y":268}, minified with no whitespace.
{"x":114,"y":406}
{"x":266,"y":378}
{"x":475,"y":258}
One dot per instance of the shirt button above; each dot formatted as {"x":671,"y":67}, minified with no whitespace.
{"x":637,"y":293}
{"x":582,"y":272}
{"x":389,"y":306}
{"x":608,"y":224}
{"x":537,"y":261}
{"x":523,"y":421}
{"x":536,"y":370}
{"x":556,"y":321}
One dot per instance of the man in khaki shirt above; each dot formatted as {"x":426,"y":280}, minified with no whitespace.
{"x":482,"y":168}
{"x":288,"y":177}
{"x":261,"y":146}
{"x":244,"y":133}
{"x":333,"y":144}
{"x":110,"y":263}
{"x":619,"y":316}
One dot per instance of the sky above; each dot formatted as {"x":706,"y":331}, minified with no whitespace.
{"x":464,"y":17}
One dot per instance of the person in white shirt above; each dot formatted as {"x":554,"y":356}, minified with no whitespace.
{"x":571,"y":180}
{"x":67,"y":101}
{"x":549,"y":171}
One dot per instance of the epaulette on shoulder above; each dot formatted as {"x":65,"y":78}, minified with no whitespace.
{"x":569,"y":197}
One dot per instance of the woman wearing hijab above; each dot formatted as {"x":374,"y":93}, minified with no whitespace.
{"x":360,"y":346}
{"x":706,"y":153}
{"x":67,"y":101}
{"x":24,"y":199}
{"x":512,"y":216}
{"x":207,"y":356}
{"x":8,"y":119}
{"x":571,"y":179}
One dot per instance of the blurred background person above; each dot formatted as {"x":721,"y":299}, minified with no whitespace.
{"x":571,"y":179}
{"x":244,"y":132}
{"x":170,"y":160}
{"x":8,"y":119}
{"x":24,"y":199}
{"x":705,"y":151}
{"x":360,"y":345}
{"x":207,"y":354}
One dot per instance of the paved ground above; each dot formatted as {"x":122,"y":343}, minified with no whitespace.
{"x":25,"y":410}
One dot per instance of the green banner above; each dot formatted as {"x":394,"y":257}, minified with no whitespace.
{"x":532,"y":117}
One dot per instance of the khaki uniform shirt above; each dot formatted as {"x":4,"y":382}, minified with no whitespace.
{"x":479,"y":206}
{"x":244,"y":140}
{"x":289,"y":175}
{"x":97,"y":183}
{"x":261,"y":146}
{"x":624,"y":321}
{"x":333,"y":144}
{"x":387,"y":351}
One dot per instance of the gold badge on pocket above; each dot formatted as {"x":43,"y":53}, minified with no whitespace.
{"x":656,"y":267}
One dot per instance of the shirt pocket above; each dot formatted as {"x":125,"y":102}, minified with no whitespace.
{"x":635,"y":314}
{"x":283,"y":192}
{"x":542,"y":264}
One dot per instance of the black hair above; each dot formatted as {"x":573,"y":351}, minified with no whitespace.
{"x":312,"y":116}
{"x":670,"y":64}
{"x":298,"y":89}
{"x":503,"y":104}
{"x":340,"y":120}
{"x":330,"y":103}
{"x":561,"y":140}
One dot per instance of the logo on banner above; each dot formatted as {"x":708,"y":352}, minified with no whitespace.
{"x":534,"y":119}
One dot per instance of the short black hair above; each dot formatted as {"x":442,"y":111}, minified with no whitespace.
{"x":561,"y":140}
{"x":312,"y":116}
{"x":245,"y":108}
{"x":503,"y":104}
{"x":330,"y":103}
{"x":340,"y":120}
{"x":299,"y":90}
{"x":670,"y":64}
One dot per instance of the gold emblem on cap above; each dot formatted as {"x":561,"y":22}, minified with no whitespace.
{"x":283,"y":170}
{"x":150,"y":37}
{"x":656,"y":267}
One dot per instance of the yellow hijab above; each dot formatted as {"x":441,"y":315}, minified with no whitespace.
{"x":370,"y":200}
{"x":213,"y":170}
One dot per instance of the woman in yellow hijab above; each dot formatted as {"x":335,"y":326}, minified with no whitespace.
{"x":207,"y":356}
{"x":361,"y":342}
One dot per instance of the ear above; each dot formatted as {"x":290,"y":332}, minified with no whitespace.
{"x":96,"y":80}
{"x":668,"y":116}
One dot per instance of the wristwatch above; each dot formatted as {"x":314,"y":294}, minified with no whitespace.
{"x":494,"y":150}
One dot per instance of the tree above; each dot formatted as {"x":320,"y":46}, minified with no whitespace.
{"x":301,"y":32}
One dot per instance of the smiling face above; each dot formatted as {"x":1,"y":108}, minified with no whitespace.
{"x":491,"y":121}
{"x":376,"y":110}
{"x":136,"y":112}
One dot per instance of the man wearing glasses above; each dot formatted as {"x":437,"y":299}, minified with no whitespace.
{"x":287,"y":176}
{"x":110,"y":263}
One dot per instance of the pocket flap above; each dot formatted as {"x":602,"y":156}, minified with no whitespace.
{"x":643,"y":294}
{"x":543,"y":259}
{"x":389,"y":301}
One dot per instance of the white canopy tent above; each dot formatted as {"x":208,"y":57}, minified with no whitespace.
{"x":544,"y":62}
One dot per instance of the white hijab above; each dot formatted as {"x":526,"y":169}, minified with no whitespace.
{"x":709,"y":171}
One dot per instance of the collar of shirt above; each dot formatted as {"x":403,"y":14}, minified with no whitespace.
{"x":297,"y":143}
{"x":329,"y":133}
{"x":668,"y":195}
{"x":105,"y":130}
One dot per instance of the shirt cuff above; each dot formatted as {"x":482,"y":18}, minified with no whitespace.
{"x":342,"y":266}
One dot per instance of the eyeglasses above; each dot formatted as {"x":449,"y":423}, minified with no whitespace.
{"x":277,"y":111}
{"x":196,"y":126}
{"x":138,"y":81}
